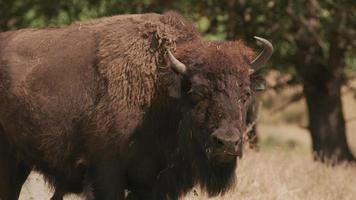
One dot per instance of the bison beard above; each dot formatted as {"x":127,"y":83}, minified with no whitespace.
{"x":186,"y":164}
{"x":137,"y":102}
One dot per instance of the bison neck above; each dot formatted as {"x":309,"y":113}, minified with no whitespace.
{"x":184,"y":164}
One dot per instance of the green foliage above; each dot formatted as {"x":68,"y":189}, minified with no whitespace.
{"x":308,"y":26}
{"x":351,"y":63}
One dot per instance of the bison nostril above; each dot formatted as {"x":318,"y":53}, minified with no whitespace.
{"x":236,"y":143}
{"x":218,"y":141}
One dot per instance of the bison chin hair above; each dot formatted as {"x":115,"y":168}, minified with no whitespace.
{"x":186,"y":171}
{"x":213,"y":176}
{"x":193,"y":166}
{"x":216,"y":178}
{"x":189,"y":164}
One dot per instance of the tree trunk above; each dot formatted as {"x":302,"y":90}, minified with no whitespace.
{"x":322,"y":80}
{"x":326,"y":121}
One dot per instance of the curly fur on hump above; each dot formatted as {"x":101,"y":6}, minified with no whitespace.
{"x":130,"y":49}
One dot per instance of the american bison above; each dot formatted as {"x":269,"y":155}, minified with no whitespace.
{"x":129,"y":102}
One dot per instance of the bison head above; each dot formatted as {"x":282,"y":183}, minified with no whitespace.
{"x":214,"y":87}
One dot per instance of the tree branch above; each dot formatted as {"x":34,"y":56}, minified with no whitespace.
{"x":307,"y":24}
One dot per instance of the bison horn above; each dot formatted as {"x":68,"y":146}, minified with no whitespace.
{"x":263,"y":57}
{"x":176,"y":64}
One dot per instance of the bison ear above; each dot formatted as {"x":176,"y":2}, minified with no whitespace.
{"x":259,"y":86}
{"x":174,"y":87}
{"x":258,"y":83}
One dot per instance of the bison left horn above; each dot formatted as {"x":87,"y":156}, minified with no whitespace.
{"x":176,"y":64}
{"x":263,"y":57}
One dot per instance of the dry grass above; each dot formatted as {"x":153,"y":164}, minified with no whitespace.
{"x":268,"y":175}
{"x":275,"y":174}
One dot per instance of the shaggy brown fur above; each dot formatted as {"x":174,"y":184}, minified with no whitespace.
{"x":101,"y":92}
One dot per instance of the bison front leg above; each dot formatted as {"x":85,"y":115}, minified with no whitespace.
{"x":58,"y":195}
{"x":140,"y":194}
{"x":108,"y":183}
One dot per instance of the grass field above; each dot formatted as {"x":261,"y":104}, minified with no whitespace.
{"x":283,"y":168}
{"x":276,"y":174}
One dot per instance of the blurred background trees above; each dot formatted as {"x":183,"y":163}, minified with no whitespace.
{"x":315,"y":42}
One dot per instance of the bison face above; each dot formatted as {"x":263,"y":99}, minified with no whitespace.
{"x":214,"y":112}
{"x":215,"y":91}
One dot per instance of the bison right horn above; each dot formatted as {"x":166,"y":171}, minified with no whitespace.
{"x":263,"y":57}
{"x":176,"y":64}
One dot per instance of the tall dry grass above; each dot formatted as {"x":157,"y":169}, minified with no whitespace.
{"x":279,"y":175}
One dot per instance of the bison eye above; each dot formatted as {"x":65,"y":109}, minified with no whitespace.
{"x":197,"y":94}
{"x":258,"y":83}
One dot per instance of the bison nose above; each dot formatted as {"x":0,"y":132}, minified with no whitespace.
{"x":229,"y":139}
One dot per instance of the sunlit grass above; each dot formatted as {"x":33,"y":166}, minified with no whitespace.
{"x":274,"y":175}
